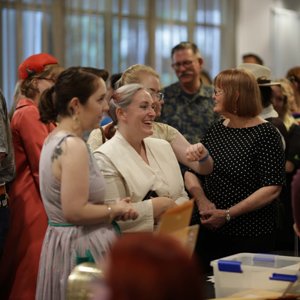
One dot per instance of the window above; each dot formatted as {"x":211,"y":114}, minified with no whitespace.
{"x":111,"y":34}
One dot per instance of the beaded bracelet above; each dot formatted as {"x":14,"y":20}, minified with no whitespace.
{"x":204,"y":159}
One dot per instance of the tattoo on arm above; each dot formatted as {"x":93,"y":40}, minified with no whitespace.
{"x":57,"y":152}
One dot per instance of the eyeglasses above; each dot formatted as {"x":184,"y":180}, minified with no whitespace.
{"x":185,"y":63}
{"x":218,"y":92}
{"x":159,"y":96}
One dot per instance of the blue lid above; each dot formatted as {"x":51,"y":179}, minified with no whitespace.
{"x":230,"y":266}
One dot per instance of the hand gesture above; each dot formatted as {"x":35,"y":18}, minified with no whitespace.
{"x":196,"y":152}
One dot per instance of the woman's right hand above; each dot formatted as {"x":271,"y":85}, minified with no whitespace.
{"x":123,"y":210}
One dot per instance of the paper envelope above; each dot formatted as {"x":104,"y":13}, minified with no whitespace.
{"x":175,"y":222}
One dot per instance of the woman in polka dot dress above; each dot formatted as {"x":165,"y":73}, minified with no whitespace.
{"x":248,"y":172}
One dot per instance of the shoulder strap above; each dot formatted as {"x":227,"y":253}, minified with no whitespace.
{"x":57,"y":150}
{"x":63,"y":138}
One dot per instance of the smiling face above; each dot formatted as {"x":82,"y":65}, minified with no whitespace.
{"x":92,"y":111}
{"x":137,"y":118}
{"x":152,"y":84}
{"x":186,"y":65}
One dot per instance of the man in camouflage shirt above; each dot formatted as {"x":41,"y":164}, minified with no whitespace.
{"x":188,"y":103}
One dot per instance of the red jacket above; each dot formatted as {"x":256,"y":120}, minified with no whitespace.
{"x":28,"y":220}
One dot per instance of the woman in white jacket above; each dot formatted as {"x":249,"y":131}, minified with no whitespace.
{"x":137,"y":165}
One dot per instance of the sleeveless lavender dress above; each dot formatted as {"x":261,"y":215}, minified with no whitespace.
{"x":65,"y":245}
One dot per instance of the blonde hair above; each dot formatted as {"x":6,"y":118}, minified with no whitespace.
{"x":133,"y":74}
{"x":288,"y":93}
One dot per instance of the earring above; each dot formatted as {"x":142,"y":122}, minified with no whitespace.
{"x":75,"y":118}
{"x":76,"y":122}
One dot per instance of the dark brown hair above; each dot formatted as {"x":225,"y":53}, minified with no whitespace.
{"x":258,"y":60}
{"x":77,"y":82}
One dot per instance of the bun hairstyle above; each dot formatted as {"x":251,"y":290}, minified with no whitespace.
{"x":47,"y":108}
{"x":79,"y":82}
{"x":121,"y":98}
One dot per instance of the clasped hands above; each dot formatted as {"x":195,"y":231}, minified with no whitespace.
{"x":211,"y":217}
{"x":125,"y":210}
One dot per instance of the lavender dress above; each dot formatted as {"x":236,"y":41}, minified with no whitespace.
{"x":64,"y":244}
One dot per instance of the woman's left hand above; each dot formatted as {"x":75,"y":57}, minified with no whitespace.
{"x":213,"y":219}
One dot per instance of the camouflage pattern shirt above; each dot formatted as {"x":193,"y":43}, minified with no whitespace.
{"x":191,"y":114}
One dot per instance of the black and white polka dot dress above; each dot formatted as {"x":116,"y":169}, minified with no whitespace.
{"x":245,"y":159}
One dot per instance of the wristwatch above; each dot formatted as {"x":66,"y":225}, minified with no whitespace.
{"x":227,"y":216}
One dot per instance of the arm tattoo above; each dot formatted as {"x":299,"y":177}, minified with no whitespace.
{"x":56,"y":153}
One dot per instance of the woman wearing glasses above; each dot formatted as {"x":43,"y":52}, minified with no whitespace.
{"x":248,"y":172}
{"x":147,"y":77}
{"x":28,"y":220}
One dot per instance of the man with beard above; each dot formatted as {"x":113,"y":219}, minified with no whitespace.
{"x":188,"y":102}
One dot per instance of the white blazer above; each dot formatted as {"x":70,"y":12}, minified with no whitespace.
{"x":128,"y":175}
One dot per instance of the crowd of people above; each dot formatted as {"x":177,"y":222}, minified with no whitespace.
{"x":73,"y":191}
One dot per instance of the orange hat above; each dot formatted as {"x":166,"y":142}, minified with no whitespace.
{"x":35,"y":64}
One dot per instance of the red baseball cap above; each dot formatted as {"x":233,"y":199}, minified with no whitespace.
{"x":35,"y":64}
